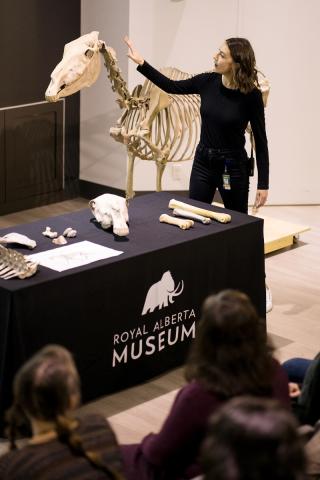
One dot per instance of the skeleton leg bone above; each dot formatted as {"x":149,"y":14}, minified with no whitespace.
{"x":160,"y":170}
{"x":193,"y":216}
{"x":130,"y":165}
{"x":220,"y":217}
{"x":184,"y":224}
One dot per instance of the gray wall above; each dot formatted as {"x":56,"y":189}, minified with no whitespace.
{"x":102,"y":160}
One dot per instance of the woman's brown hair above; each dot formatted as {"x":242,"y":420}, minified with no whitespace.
{"x":253,"y":438}
{"x":231,"y":354}
{"x":244,"y":68}
{"x":46,"y":387}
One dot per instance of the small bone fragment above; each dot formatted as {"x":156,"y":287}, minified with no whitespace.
{"x":70,"y":232}
{"x":18,"y":238}
{"x":60,"y":240}
{"x":220,"y":217}
{"x":179,"y":212}
{"x":49,"y":233}
{"x":184,"y":224}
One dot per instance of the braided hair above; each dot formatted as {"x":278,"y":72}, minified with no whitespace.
{"x":65,"y":427}
{"x":45,"y":388}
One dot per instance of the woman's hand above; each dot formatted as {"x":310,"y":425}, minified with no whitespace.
{"x":133,"y":53}
{"x":261,"y":198}
{"x":294,"y":390}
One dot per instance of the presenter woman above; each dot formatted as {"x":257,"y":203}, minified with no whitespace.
{"x":230,"y":99}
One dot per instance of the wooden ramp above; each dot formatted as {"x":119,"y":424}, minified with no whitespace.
{"x":277,"y":233}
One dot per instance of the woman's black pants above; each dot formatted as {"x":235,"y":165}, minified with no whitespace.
{"x":206,"y":176}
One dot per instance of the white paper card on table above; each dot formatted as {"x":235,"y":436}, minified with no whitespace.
{"x":75,"y":255}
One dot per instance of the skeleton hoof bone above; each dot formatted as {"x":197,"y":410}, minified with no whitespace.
{"x":184,"y":224}
{"x":49,"y":233}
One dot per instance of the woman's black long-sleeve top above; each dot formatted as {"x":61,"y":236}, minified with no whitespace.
{"x":225,"y":113}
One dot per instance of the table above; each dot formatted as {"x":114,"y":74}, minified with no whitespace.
{"x":117,"y":316}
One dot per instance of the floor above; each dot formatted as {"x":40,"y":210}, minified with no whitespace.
{"x":293,"y":275}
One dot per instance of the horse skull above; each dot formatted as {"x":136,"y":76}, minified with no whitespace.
{"x":110,"y":210}
{"x":79,"y":67}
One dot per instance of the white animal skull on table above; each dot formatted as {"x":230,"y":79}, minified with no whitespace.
{"x":111,"y":210}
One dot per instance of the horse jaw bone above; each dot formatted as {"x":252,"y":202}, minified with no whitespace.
{"x":110,"y":209}
{"x":14,"y":264}
{"x":18,"y":238}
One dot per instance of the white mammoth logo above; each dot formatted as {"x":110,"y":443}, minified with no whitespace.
{"x":161,"y":293}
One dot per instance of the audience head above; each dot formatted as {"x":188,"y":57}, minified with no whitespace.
{"x":251,"y":438}
{"x":45,"y":388}
{"x":48,"y":384}
{"x":231,"y":353}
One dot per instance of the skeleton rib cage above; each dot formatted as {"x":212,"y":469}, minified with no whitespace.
{"x":174,"y":130}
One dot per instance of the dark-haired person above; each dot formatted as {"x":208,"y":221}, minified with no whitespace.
{"x":46,"y":390}
{"x":230,"y":356}
{"x":230,"y":99}
{"x":253,"y":439}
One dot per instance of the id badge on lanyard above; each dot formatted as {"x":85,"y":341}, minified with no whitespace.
{"x":226,"y":179}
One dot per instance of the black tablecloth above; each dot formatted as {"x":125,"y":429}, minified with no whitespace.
{"x":96,"y":310}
